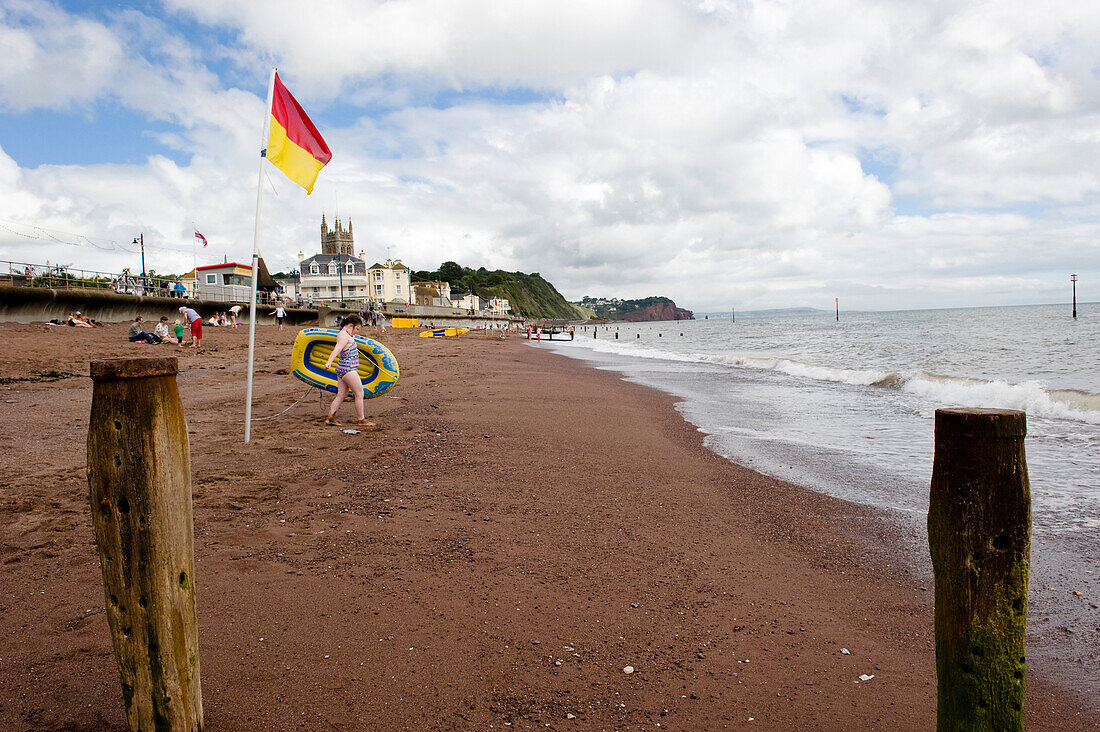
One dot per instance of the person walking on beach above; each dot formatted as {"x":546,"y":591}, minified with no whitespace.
{"x":280,"y":314}
{"x":347,"y":371}
{"x":195,"y":320}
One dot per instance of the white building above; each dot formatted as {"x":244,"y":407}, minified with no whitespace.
{"x":499,"y":306}
{"x":468,"y":302}
{"x":334,"y":277}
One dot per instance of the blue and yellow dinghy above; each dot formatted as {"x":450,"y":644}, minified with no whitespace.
{"x":443,"y":332}
{"x":377,"y":367}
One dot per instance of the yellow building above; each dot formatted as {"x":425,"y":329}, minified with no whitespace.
{"x":389,"y":282}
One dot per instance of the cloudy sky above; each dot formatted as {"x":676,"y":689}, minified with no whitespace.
{"x":721,"y":152}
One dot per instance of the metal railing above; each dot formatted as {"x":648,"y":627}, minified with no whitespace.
{"x":60,"y":277}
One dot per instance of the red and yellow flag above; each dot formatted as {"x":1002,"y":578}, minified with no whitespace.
{"x":294,"y":145}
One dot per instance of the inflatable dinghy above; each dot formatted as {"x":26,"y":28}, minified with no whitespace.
{"x":377,"y":367}
{"x":443,"y":332}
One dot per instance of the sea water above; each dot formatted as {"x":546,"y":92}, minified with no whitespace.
{"x":847,"y":408}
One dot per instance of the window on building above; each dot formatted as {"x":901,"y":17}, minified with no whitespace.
{"x":349,"y":268}
{"x":378,"y":290}
{"x":377,"y":275}
{"x":399,"y":289}
{"x":211,"y":279}
{"x":332,"y":267}
{"x":314,"y":269}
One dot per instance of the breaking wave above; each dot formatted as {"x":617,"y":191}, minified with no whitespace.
{"x":1031,"y":396}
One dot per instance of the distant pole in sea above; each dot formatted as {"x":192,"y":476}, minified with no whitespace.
{"x":1073,"y":279}
{"x":837,"y":300}
{"x":733,"y":314}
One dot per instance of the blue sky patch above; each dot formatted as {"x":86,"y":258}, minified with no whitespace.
{"x":119,"y":137}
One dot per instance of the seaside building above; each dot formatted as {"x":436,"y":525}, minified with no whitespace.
{"x":468,"y":302}
{"x":390,"y":282}
{"x":227,"y":282}
{"x":437,"y":294}
{"x":290,"y":287}
{"x":499,"y":306}
{"x":336,"y":273}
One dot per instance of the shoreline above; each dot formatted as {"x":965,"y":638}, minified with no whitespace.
{"x":514,"y":511}
{"x":1059,"y":630}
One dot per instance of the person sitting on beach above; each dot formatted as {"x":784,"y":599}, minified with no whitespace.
{"x":89,"y":321}
{"x":138,"y":333}
{"x":161,"y":329}
{"x":195,"y":320}
{"x":76,"y":321}
{"x":213,"y":320}
{"x":347,"y":371}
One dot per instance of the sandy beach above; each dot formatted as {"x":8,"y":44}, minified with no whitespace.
{"x":518,"y":530}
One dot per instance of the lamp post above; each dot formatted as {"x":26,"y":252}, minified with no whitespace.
{"x":142,"y":242}
{"x":1073,"y":279}
{"x":340,"y":271}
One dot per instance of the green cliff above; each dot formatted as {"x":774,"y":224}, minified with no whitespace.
{"x":529,"y":295}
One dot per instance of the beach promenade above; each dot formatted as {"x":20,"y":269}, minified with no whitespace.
{"x":518,"y":531}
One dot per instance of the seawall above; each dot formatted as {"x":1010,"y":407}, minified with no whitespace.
{"x":41,"y":304}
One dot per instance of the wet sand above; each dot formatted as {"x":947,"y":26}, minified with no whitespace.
{"x":519,"y":530}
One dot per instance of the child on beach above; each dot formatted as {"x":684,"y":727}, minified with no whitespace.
{"x":347,"y":371}
{"x":179,"y":333}
{"x":280,"y":314}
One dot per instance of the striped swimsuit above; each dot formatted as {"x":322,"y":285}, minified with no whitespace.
{"x":349,"y":360}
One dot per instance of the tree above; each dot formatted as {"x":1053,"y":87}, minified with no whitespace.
{"x":450,"y":271}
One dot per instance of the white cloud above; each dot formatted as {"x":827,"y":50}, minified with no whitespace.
{"x":708,"y":151}
{"x":53,"y":59}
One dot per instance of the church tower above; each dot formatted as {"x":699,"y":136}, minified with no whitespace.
{"x":337,"y":240}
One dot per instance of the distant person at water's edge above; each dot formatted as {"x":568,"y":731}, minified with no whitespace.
{"x":347,"y":371}
{"x":195,"y":320}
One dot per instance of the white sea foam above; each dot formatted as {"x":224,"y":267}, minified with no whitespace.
{"x":1032,"y":396}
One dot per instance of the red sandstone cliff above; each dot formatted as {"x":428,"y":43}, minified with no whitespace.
{"x":659,"y":311}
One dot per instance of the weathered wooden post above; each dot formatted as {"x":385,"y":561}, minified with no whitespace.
{"x":139,"y":480}
{"x":979,"y":535}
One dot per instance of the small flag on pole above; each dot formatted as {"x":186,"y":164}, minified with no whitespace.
{"x":294,"y":145}
{"x":201,"y":238}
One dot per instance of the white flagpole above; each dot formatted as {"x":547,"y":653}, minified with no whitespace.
{"x":252,"y":315}
{"x":195,"y":250}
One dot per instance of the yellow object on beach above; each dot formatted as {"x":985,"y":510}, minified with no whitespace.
{"x":378,"y":368}
{"x":442,"y":332}
{"x":404,"y":322}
